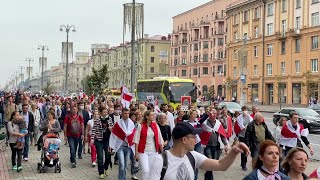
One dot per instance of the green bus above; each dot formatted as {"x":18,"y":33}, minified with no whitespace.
{"x":166,"y":90}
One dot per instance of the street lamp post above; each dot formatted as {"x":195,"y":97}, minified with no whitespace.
{"x":21,"y":74}
{"x":42,"y":48}
{"x":67,"y":28}
{"x":29,"y":60}
{"x":243,"y":64}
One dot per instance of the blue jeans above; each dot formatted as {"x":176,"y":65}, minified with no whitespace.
{"x":80,"y":149}
{"x":73,"y":144}
{"x":26,"y":146}
{"x":212,"y":152}
{"x":100,"y":147}
{"x":1,"y":119}
{"x":123,"y":155}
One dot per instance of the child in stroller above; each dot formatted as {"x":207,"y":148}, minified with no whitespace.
{"x":51,"y":146}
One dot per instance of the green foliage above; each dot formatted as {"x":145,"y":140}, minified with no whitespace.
{"x":98,"y":81}
{"x":48,"y":89}
{"x":310,"y":83}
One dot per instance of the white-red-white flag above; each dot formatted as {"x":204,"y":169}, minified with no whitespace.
{"x":238,"y":126}
{"x":126,"y":97}
{"x":122,"y":133}
{"x":207,"y":131}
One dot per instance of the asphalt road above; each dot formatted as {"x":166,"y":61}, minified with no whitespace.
{"x":314,"y":138}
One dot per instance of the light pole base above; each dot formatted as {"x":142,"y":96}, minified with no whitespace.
{"x":242,"y":102}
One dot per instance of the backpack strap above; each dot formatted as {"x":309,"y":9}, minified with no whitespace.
{"x":165,"y":164}
{"x":192,"y":160}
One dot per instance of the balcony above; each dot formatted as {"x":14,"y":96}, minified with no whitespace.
{"x":218,"y":17}
{"x":184,"y":41}
{"x":204,"y":23}
{"x":194,"y":26}
{"x":281,"y":35}
{"x":183,"y":30}
{"x":296,"y":33}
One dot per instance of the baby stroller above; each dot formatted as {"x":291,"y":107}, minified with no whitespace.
{"x":50,"y":154}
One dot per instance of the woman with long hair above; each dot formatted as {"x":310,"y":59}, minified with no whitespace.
{"x":14,"y":132}
{"x":36,"y":115}
{"x":266,"y":166}
{"x":148,"y":143}
{"x":295,"y":164}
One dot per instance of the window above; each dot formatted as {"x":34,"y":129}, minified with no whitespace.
{"x":195,"y":47}
{"x":298,"y":22}
{"x":235,"y":54}
{"x":283,"y":67}
{"x":205,"y":45}
{"x":256,"y":13}
{"x":270,"y":9}
{"x":151,"y":69}
{"x":314,"y":1}
{"x":298,"y":4}
{"x":284,"y":26}
{"x":315,"y":19}
{"x":152,"y":59}
{"x":245,"y":16}
{"x":220,"y":69}
{"x":314,"y":42}
{"x":297,"y":65}
{"x":152,"y":49}
{"x":235,"y":19}
{"x":195,"y":59}
{"x":256,"y":31}
{"x":220,"y":42}
{"x":195,"y":71}
{"x":255,"y":70}
{"x":270,"y":29}
{"x":235,"y":35}
{"x":213,"y":70}
{"x":283,"y":47}
{"x":297,"y":45}
{"x":235,"y":72}
{"x":183,"y":72}
{"x":284,"y":5}
{"x":205,"y":58}
{"x":269,"y":69}
{"x":220,"y":55}
{"x":184,"y":61}
{"x":184,"y":49}
{"x":314,"y":65}
{"x":255,"y":50}
{"x":205,"y":70}
{"x":269,"y":49}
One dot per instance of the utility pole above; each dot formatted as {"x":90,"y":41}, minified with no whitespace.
{"x":42,"y":48}
{"x":243,"y":64}
{"x":29,"y":60}
{"x":133,"y":32}
{"x":67,"y":28}
{"x":21,"y":74}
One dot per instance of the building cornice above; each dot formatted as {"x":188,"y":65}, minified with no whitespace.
{"x":242,"y":6}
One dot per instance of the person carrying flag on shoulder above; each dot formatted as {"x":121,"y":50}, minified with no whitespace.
{"x":121,"y":141}
{"x":292,"y":134}
{"x":240,"y":130}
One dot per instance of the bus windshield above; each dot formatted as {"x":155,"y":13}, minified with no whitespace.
{"x":182,"y":89}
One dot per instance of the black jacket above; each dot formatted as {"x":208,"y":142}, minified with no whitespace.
{"x":251,"y":138}
{"x":112,"y":117}
{"x":31,"y":122}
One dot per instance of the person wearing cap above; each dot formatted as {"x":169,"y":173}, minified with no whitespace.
{"x":178,"y":164}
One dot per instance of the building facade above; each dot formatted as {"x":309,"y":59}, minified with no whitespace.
{"x":198,"y":48}
{"x":276,"y":42}
{"x":152,"y":55}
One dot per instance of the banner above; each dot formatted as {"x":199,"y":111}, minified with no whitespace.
{"x":64,"y":52}
{"x":185,"y":102}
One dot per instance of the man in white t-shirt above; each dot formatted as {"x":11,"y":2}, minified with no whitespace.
{"x":179,"y":166}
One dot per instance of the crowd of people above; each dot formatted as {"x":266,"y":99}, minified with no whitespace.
{"x":163,"y":143}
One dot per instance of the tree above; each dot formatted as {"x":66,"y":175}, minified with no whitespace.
{"x":98,"y":81}
{"x":48,"y":89}
{"x":310,"y":84}
{"x":228,"y":84}
{"x":210,"y":92}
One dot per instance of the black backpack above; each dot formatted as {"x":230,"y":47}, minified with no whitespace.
{"x":165,"y":163}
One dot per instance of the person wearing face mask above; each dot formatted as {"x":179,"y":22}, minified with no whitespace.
{"x":240,"y":130}
{"x":85,"y":116}
{"x":116,"y":115}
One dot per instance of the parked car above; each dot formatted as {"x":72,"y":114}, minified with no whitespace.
{"x":232,"y":107}
{"x":308,"y":117}
{"x":315,"y":107}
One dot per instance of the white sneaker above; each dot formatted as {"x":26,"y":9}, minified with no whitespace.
{"x":25,"y":159}
{"x":93,"y":164}
{"x":134,"y":177}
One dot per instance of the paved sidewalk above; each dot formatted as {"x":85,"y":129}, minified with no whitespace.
{"x":84,"y":171}
{"x":275,"y":107}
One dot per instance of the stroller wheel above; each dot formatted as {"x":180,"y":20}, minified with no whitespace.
{"x":38,"y":166}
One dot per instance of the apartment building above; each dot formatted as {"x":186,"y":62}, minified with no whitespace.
{"x":198,"y":49}
{"x":276,"y":42}
{"x":151,"y":57}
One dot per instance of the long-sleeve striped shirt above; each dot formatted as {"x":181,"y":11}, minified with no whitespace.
{"x":100,"y":129}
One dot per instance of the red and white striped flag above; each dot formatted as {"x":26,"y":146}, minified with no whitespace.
{"x":126,"y":97}
{"x":315,"y":174}
{"x":289,"y":135}
{"x":122,"y":133}
{"x":238,"y":126}
{"x":207,"y":131}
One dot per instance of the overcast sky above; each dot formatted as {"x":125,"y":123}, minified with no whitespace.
{"x":25,"y":24}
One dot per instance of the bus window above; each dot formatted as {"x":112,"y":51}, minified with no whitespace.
{"x":182,"y":89}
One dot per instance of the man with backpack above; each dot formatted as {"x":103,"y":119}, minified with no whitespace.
{"x":180,"y":162}
{"x":73,"y":132}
